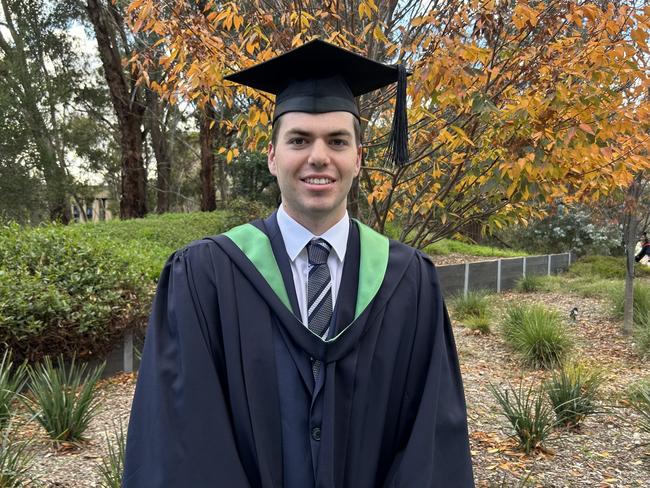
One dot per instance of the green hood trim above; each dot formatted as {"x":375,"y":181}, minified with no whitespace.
{"x":256,"y":246}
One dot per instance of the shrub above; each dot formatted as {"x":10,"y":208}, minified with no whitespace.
{"x":474,"y":304}
{"x":537,"y":334}
{"x":572,"y":392}
{"x":481,"y":324}
{"x":528,"y":413}
{"x":63,"y":398}
{"x":640,"y":403}
{"x":641,"y":303}
{"x":15,"y":459}
{"x":529,"y":284}
{"x":111,"y":468}
{"x":12,"y":380}
{"x":59,"y":293}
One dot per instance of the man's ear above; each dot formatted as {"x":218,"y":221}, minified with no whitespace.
{"x":273,"y":169}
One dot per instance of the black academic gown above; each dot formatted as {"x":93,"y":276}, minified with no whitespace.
{"x":225,"y":396}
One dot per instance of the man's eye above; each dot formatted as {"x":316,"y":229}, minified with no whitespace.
{"x":297,"y":141}
{"x":338,"y":142}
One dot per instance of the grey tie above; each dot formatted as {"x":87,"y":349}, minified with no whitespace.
{"x":319,"y":291}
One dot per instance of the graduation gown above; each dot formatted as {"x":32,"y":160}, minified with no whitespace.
{"x":225,"y":394}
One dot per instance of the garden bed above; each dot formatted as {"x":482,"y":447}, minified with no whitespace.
{"x":605,"y":451}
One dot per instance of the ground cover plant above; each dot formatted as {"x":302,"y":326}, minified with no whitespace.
{"x":12,"y":380}
{"x":111,"y":466}
{"x":15,"y":459}
{"x":573,"y":392}
{"x":530,"y":416}
{"x":537,"y":334}
{"x":62,"y":398}
{"x":473,"y":310}
{"x":530,"y":284}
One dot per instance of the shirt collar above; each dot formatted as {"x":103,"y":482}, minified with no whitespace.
{"x":296,"y":236}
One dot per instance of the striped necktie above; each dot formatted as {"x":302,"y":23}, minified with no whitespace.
{"x":319,"y":291}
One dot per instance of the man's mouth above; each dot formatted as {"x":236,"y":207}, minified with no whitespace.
{"x":318,"y":181}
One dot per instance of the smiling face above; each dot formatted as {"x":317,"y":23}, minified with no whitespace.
{"x":315,"y":158}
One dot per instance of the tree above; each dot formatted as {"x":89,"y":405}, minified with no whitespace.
{"x":39,"y":73}
{"x":511,"y":104}
{"x":127,"y":97}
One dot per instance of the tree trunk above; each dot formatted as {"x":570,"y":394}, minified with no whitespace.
{"x":206,"y":137}
{"x":126,"y":98}
{"x":161,"y":150}
{"x":630,"y":229}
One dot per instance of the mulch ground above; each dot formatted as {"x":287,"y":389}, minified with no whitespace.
{"x":608,"y":451}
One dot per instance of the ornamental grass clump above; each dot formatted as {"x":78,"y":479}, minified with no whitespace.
{"x":573,"y":392}
{"x":641,"y":303}
{"x":63,"y":397}
{"x":642,"y":333}
{"x":537,"y":334}
{"x":15,"y":459}
{"x":474,"y":304}
{"x":111,"y":467}
{"x":480,"y":324}
{"x":528,"y":413}
{"x":529,"y":284}
{"x":640,"y":403}
{"x":12,"y":380}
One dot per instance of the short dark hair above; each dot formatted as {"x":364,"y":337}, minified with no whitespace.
{"x":276,"y":130}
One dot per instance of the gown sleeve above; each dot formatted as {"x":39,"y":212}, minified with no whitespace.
{"x":437,"y":452}
{"x":180,"y":432}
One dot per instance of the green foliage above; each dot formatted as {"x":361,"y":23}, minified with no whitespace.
{"x":529,"y":284}
{"x":481,"y":324}
{"x":62,"y":293}
{"x":640,"y":403}
{"x":63,"y":397}
{"x":637,"y":390}
{"x":15,"y":459}
{"x":111,"y":467}
{"x":566,"y":228}
{"x":641,"y":304}
{"x":537,"y":334}
{"x":12,"y":380}
{"x":476,"y":304}
{"x":572,"y":392}
{"x":448,"y":246}
{"x":603,"y":267}
{"x":528,"y":413}
{"x":252,"y":180}
{"x":642,"y":333}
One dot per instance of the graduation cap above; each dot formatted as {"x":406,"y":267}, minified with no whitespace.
{"x":319,"y":77}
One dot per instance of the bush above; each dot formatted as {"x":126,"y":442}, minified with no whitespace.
{"x":111,"y":467}
{"x":537,"y":334}
{"x":63,"y":398}
{"x":12,"y":380}
{"x":476,"y":304}
{"x":528,"y":413}
{"x":530,"y":284}
{"x":641,"y":303}
{"x":59,"y":293}
{"x":572,"y":392}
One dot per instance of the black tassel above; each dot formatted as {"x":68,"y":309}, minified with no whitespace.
{"x":398,"y":150}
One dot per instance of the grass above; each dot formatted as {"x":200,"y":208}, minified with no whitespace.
{"x":15,"y":460}
{"x":572,"y":392}
{"x":530,"y":284}
{"x":111,"y":467}
{"x":63,"y":398}
{"x":642,"y":333}
{"x":641,"y":303}
{"x":530,"y":416}
{"x":537,"y":334}
{"x":640,"y":403}
{"x":480,"y":324}
{"x":449,"y":246}
{"x":476,"y":304}
{"x":604,"y":267}
{"x":12,"y":380}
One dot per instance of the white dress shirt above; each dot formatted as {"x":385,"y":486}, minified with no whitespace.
{"x":296,"y":238}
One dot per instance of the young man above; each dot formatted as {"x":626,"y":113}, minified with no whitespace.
{"x":304,"y":350}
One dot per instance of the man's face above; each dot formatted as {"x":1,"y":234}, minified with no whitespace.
{"x":315,"y":160}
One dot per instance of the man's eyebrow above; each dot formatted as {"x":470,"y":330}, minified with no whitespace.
{"x":303,"y":133}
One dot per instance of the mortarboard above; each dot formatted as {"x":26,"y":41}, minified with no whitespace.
{"x":319,"y":77}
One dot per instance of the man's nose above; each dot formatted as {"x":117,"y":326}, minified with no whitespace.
{"x":319,"y":154}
